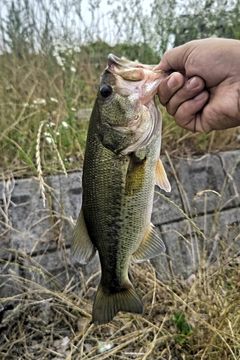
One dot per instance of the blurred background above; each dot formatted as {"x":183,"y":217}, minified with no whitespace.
{"x":53,"y":52}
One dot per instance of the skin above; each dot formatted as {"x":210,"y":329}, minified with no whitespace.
{"x":203,"y":91}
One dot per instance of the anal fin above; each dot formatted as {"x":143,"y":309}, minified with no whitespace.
{"x":82,"y":248}
{"x":151,"y":246}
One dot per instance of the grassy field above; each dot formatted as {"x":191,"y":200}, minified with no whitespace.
{"x":43,"y":122}
{"x":182,"y":320}
{"x":43,"y":131}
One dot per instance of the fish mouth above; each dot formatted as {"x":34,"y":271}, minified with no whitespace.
{"x":114,"y":61}
{"x":140,"y":78}
{"x":127,"y":64}
{"x":139,"y":83}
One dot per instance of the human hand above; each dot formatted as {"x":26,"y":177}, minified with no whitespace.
{"x":204,"y":92}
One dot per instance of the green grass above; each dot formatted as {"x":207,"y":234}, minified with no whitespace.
{"x":36,"y":89}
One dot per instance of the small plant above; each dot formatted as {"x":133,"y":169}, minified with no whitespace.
{"x":184,"y":329}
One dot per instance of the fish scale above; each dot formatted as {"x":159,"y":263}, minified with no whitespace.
{"x":121,"y":166}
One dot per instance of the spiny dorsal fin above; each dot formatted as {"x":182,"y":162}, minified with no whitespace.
{"x":107,"y":305}
{"x":161,"y":177}
{"x":82,"y":248}
{"x":151,"y":246}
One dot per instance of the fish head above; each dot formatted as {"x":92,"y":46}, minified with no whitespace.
{"x":128,"y":116}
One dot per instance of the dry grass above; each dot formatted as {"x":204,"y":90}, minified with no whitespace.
{"x":47,"y":315}
{"x":44,"y":319}
{"x":36,"y":90}
{"x":55,"y":324}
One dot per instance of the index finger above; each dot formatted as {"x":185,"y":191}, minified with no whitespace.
{"x":169,"y":86}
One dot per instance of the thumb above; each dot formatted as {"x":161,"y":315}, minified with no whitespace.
{"x":163,"y":65}
{"x":173,"y":59}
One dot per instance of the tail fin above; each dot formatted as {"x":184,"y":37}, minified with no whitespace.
{"x":107,"y":305}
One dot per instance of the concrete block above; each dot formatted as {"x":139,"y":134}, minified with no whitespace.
{"x":57,"y":270}
{"x":32,"y":225}
{"x":161,"y":263}
{"x":164,"y":212}
{"x":231,"y":165}
{"x":181,"y":249}
{"x":67,"y":193}
{"x":6,"y":188}
{"x":9,"y":278}
{"x":202,"y":178}
{"x":25,"y":224}
{"x":66,"y":202}
{"x":229,"y":232}
{"x":188,"y":249}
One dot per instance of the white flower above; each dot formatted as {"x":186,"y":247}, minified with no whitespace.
{"x":60,"y":61}
{"x":55,"y":53}
{"x":39,"y":101}
{"x":73,"y":69}
{"x":53,"y":100}
{"x":65,"y":124}
{"x":50,"y":124}
{"x":48,"y":137}
{"x":73,"y":109}
{"x":77,"y":49}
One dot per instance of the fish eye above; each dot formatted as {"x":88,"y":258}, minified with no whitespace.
{"x":106,"y":91}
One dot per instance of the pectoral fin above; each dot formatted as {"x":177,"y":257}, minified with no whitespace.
{"x":82,"y":248}
{"x":151,"y":246}
{"x":161,"y":177}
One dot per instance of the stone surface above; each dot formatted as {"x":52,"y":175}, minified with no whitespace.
{"x":57,"y":271}
{"x":189,"y":247}
{"x":9,"y":272}
{"x":231,"y":165}
{"x":30,"y":226}
{"x":202,"y":181}
{"x":205,"y":188}
{"x":163,"y":211}
{"x":66,"y":203}
{"x":67,"y":193}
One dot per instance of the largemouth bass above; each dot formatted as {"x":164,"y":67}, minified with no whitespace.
{"x":121,"y":167}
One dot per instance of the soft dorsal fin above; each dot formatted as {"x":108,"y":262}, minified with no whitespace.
{"x":161,"y":177}
{"x":82,"y":248}
{"x":151,"y":246}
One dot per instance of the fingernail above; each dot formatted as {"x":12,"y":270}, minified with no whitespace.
{"x":200,"y":96}
{"x":172,"y":82}
{"x":192,"y":83}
